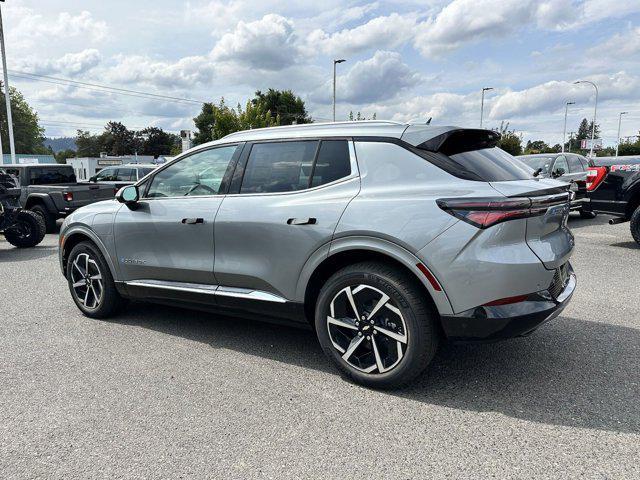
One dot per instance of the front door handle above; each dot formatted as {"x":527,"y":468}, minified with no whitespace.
{"x":301,"y":221}
{"x":191,"y":221}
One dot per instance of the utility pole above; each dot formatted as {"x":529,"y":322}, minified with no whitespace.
{"x":571,"y":134}
{"x":7,"y":96}
{"x":564,"y":132}
{"x":482,"y":104}
{"x":618,"y":137}
{"x":335,"y":62}
{"x":595,"y":110}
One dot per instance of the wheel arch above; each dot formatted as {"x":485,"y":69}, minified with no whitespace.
{"x":76,"y":235}
{"x":44,"y":200}
{"x":350,"y":250}
{"x":634,"y":200}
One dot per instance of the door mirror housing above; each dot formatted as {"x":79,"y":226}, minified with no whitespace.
{"x":128,"y":195}
{"x":558,"y":172}
{"x":93,"y":179}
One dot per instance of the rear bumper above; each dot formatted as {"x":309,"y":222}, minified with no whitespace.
{"x":491,"y":323}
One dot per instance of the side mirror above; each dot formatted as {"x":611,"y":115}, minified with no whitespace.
{"x":558,"y":172}
{"x":128,"y":195}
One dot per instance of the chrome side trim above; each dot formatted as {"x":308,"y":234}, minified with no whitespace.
{"x":209,"y":290}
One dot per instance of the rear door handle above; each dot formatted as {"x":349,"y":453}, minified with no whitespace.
{"x":301,"y":221}
{"x":191,"y":221}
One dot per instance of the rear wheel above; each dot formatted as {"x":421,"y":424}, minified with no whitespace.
{"x":90,"y":282}
{"x":375,"y":325}
{"x":27,"y":231}
{"x":49,"y":220}
{"x":635,"y":225}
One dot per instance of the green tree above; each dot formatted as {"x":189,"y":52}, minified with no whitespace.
{"x":584,"y":133}
{"x":27,"y":133}
{"x":509,"y":141}
{"x":62,"y":155}
{"x":118,"y":140}
{"x":88,"y":145}
{"x":155,"y":141}
{"x":283,"y":105}
{"x":359,"y":117}
{"x":540,"y":146}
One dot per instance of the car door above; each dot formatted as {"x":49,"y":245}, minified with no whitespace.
{"x":285,"y":201}
{"x":167,"y":236}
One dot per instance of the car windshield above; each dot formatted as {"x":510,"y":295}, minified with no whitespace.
{"x":538,"y":162}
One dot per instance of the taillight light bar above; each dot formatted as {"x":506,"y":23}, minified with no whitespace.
{"x":486,"y":212}
{"x":68,"y":196}
{"x":595,"y":175}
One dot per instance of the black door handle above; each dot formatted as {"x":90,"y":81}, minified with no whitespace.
{"x":301,"y":221}
{"x":191,"y":221}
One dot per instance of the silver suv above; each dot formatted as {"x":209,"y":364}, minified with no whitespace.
{"x":387,"y":238}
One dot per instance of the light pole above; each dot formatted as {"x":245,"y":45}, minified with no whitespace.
{"x":7,"y":96}
{"x":570,"y":138}
{"x":595,"y":111}
{"x":335,"y":62}
{"x":618,"y":137}
{"x":564,"y":132}
{"x":482,"y":103}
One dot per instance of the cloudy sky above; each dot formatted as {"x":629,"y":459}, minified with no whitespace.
{"x":406,"y":59}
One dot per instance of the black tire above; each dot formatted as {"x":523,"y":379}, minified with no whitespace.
{"x":635,"y":225}
{"x":110,"y":301}
{"x":587,"y":214}
{"x":49,"y":220}
{"x":28,"y":230}
{"x":421,"y":333}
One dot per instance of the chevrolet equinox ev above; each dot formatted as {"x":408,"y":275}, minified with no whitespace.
{"x":387,"y":238}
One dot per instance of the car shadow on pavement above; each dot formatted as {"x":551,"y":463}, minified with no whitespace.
{"x":631,"y":245}
{"x":570,"y":372}
{"x":576,"y":222}
{"x":13,"y":254}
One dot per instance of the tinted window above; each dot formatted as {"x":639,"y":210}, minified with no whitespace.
{"x":107,"y":175}
{"x":574,"y":164}
{"x":279,"y":167}
{"x":144,"y":172}
{"x":487,"y":164}
{"x":538,"y":162}
{"x":51,"y":176}
{"x":332,"y":163}
{"x":125,"y":175}
{"x":197,"y":174}
{"x":560,"y":165}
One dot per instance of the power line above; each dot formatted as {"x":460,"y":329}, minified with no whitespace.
{"x":101,"y":88}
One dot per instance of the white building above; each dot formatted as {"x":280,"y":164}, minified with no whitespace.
{"x":87,"y":167}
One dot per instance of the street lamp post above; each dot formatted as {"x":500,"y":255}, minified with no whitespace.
{"x":570,"y":139}
{"x":595,"y":110}
{"x":7,"y":96}
{"x":335,"y":62}
{"x":564,"y":131}
{"x":482,"y":103}
{"x":618,"y":137}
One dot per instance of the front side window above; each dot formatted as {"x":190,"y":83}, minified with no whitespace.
{"x":107,"y":175}
{"x":196,"y":175}
{"x":560,"y":167}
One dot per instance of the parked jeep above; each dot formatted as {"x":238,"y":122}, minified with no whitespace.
{"x":21,"y":228}
{"x":51,"y":190}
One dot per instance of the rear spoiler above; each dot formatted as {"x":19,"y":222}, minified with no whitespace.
{"x":451,"y":140}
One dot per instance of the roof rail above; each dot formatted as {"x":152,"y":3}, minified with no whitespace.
{"x":319,"y":124}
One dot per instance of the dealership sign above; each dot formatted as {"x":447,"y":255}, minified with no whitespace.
{"x":585,"y":144}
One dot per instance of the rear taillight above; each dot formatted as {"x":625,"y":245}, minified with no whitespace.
{"x":68,"y":196}
{"x":507,"y":301}
{"x":595,"y":175}
{"x":486,"y":212}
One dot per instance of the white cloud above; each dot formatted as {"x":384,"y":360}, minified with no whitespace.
{"x":381,"y":32}
{"x":379,"y":78}
{"x":625,"y":46}
{"x":551,"y":96}
{"x":268,"y":44}
{"x":31,"y":24}
{"x":68,"y":64}
{"x":185,"y":72}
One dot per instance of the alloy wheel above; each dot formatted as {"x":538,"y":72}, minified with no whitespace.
{"x":367,"y":328}
{"x":86,"y":281}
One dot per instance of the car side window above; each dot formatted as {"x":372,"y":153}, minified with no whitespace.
{"x":125,"y":175}
{"x":560,"y":166}
{"x":107,"y":175}
{"x":279,"y":167}
{"x":333,"y":162}
{"x":198,"y":174}
{"x":574,"y":164}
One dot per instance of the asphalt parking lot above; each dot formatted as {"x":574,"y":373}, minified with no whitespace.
{"x":169,"y":393}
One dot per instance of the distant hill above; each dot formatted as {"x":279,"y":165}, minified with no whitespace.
{"x":61,"y":143}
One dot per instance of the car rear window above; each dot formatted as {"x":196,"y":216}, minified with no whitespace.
{"x":485,"y":165}
{"x":51,"y":176}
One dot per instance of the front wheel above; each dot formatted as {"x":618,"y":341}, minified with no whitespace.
{"x":634,"y":225}
{"x":375,"y":325}
{"x":27,"y":231}
{"x":90,"y":282}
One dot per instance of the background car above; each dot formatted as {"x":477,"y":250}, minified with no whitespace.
{"x":565,"y":167}
{"x":122,"y":175}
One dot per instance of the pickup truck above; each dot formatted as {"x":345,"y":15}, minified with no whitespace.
{"x":51,"y":190}
{"x":613,"y":187}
